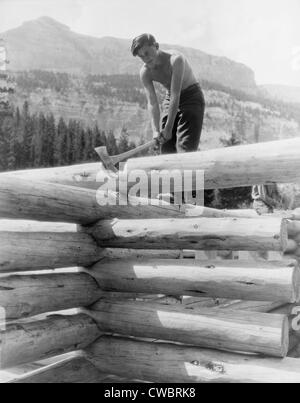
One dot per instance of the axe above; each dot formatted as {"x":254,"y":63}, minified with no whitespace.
{"x":109,"y":162}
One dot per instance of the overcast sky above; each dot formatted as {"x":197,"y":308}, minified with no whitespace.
{"x":264,"y":34}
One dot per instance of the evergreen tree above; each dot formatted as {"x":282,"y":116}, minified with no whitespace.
{"x":9,"y":130}
{"x":111,"y":143}
{"x":77,"y":151}
{"x":35,"y":136}
{"x":4,"y":145}
{"x":123,"y":143}
{"x":41,"y":141}
{"x":36,"y":142}
{"x":89,"y":152}
{"x":64,"y":147}
{"x":17,"y":142}
{"x":27,"y":127}
{"x":99,"y":137}
{"x":49,"y":139}
{"x":82,"y":145}
{"x":70,"y":141}
{"x":60,"y":137}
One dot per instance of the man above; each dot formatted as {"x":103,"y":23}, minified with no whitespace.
{"x":180,"y":128}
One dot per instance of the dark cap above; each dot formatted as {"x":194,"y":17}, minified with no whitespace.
{"x":140,"y":41}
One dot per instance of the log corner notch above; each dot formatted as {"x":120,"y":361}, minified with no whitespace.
{"x":250,"y":234}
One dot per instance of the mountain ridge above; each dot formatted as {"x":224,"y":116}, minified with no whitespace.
{"x":47,"y":44}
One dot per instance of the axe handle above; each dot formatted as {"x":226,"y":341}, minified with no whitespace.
{"x":122,"y":157}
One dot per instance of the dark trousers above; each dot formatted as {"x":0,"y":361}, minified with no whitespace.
{"x":188,"y":123}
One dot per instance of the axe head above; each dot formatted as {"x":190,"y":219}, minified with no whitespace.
{"x":106,"y":159}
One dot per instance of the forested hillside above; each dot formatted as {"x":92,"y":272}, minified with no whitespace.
{"x":128,"y":88}
{"x":36,"y":140}
{"x":114,"y":102}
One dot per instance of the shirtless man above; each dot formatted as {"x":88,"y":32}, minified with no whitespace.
{"x":180,"y":128}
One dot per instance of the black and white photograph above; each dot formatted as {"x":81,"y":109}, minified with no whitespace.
{"x":149,"y":194}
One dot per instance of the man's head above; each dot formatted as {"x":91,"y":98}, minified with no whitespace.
{"x":145,"y":47}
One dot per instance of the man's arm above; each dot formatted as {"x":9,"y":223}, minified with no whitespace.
{"x":176,"y":87}
{"x":153,"y":105}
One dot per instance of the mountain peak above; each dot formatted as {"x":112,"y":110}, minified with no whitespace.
{"x":46,"y":21}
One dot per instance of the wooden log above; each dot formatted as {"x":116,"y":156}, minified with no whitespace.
{"x":244,"y":331}
{"x":220,"y":303}
{"x":35,"y":226}
{"x":44,"y":251}
{"x":68,"y":370}
{"x":119,"y":253}
{"x":234,"y":166}
{"x":258,"y":281}
{"x":193,"y":233}
{"x":22,"y":343}
{"x":81,"y":175}
{"x":200,"y":211}
{"x":197,"y":302}
{"x":28,"y":200}
{"x":253,"y":306}
{"x":28,"y":295}
{"x":245,"y":165}
{"x":162,"y":362}
{"x":139,"y":254}
{"x":23,"y":199}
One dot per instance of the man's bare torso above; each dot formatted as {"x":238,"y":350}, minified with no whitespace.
{"x":162,"y":72}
